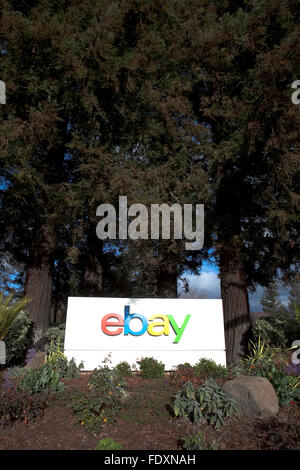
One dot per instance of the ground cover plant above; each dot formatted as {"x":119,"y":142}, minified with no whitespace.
{"x":198,"y":441}
{"x":108,"y":444}
{"x":207,"y":403}
{"x":44,"y":379}
{"x":20,"y":406}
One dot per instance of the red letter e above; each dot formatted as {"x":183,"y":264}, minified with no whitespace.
{"x":105,"y":323}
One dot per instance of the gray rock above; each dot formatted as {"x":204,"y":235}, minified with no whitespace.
{"x":37,"y":361}
{"x":2,"y":353}
{"x":255,"y":396}
{"x":41,"y":345}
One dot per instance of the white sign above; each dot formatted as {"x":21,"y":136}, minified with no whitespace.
{"x":173,"y":331}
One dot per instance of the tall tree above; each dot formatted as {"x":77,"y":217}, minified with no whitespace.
{"x":269,"y":300}
{"x":294,"y":297}
{"x":243,"y":64}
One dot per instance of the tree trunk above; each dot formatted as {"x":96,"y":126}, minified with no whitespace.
{"x":236,"y":310}
{"x":167,"y":279}
{"x":38,"y":283}
{"x":93,"y":272}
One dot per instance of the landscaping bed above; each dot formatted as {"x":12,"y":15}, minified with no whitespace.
{"x":146,"y":422}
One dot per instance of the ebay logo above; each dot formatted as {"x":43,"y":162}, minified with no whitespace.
{"x":122,"y":324}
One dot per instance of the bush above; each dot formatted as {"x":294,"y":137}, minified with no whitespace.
{"x":198,"y":442}
{"x":183,"y":373}
{"x":17,"y":337}
{"x":58,"y":361}
{"x":123,"y":369}
{"x":108,"y":444}
{"x":259,"y":359}
{"x":277,"y":331}
{"x":20,"y":407}
{"x":151,"y":368}
{"x":103,"y":401}
{"x":55,"y":335}
{"x":44,"y":379}
{"x":10,"y":375}
{"x":286,"y":387}
{"x":207,"y":368}
{"x":207,"y":403}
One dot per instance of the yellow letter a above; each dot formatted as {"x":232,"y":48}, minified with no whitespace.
{"x":164,"y":323}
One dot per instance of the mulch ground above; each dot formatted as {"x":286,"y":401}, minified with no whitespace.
{"x":146,"y":423}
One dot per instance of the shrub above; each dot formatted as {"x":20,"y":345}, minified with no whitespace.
{"x":207,"y":368}
{"x":198,"y":442}
{"x":277,"y":331}
{"x":10,"y":375}
{"x":259,"y":359}
{"x":123,"y":369}
{"x":207,"y":403}
{"x":151,"y":368}
{"x":17,"y":337}
{"x":59,"y":362}
{"x":55,"y":335}
{"x":44,"y":379}
{"x":103,"y":401}
{"x":108,"y":444}
{"x":20,"y":407}
{"x":286,"y":387}
{"x":181,"y":374}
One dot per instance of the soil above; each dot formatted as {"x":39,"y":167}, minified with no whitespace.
{"x":146,"y":423}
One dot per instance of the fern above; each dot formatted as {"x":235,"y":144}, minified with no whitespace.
{"x":9,"y":311}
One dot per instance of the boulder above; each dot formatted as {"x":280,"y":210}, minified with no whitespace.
{"x":255,"y":396}
{"x":37,"y":361}
{"x":41,"y":345}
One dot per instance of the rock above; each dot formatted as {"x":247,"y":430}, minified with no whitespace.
{"x":41,"y":345}
{"x":37,"y":361}
{"x":255,"y":396}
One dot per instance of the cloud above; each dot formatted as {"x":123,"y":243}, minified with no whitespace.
{"x":206,"y":284}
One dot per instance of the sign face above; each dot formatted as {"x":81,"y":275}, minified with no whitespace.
{"x":173,"y":331}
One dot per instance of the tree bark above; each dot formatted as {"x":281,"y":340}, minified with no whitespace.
{"x":237,"y":323}
{"x":167,"y":279}
{"x":38,"y":283}
{"x":93,"y":272}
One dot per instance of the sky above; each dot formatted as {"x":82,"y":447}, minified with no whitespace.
{"x":208,"y":283}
